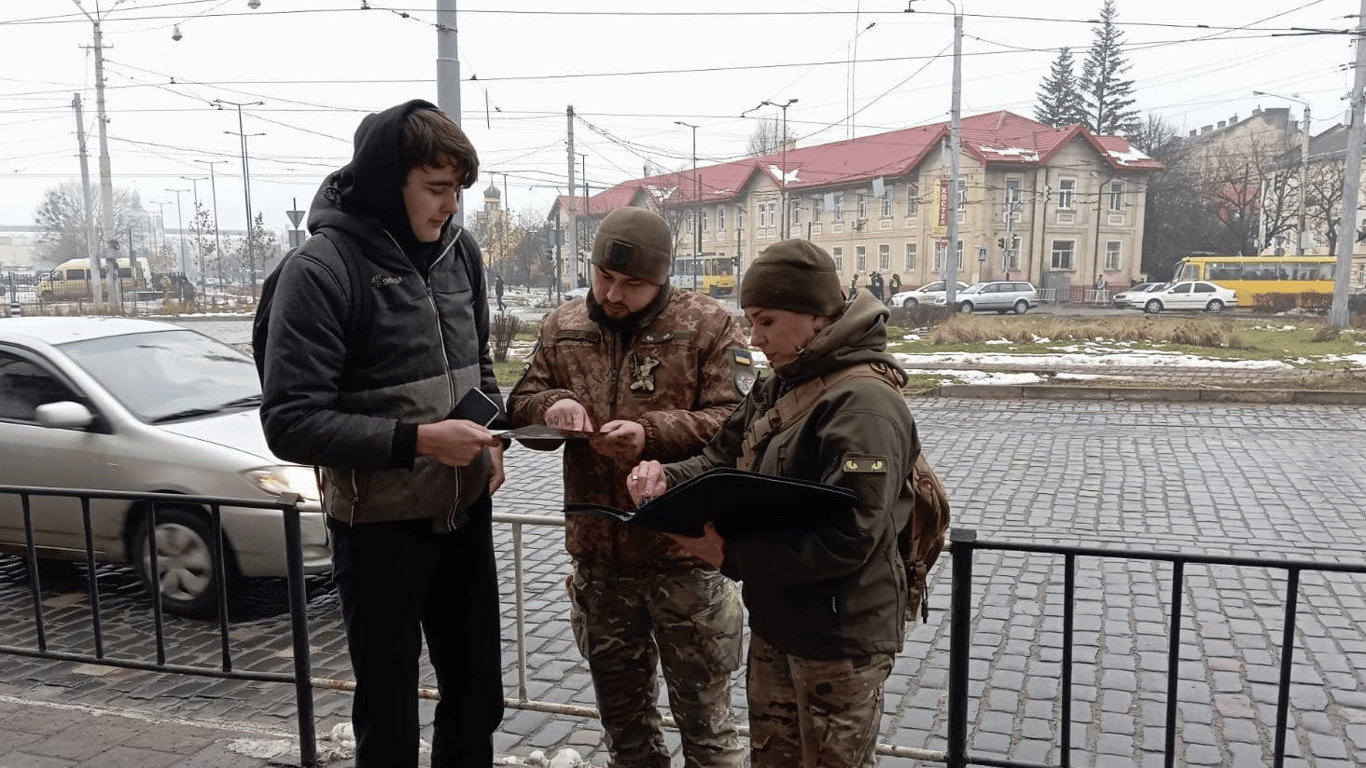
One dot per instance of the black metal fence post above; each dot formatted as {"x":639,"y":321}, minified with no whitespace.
{"x":960,"y":634}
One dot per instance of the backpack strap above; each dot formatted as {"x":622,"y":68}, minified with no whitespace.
{"x":362,"y":300}
{"x":802,"y":398}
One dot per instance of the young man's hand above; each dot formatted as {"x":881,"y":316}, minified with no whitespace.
{"x":454,"y":442}
{"x":496,"y":476}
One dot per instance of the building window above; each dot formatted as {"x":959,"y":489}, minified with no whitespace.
{"x":739,"y":218}
{"x":763,"y":215}
{"x":817,"y":205}
{"x":720,"y":217}
{"x":1067,"y":189}
{"x":1012,"y":198}
{"x":910,"y":258}
{"x":1112,"y":255}
{"x":962,"y":196}
{"x":884,"y":257}
{"x":796,"y":213}
{"x":839,"y":206}
{"x":1116,"y":195}
{"x":860,"y":258}
{"x":837,"y":254}
{"x":913,"y":196}
{"x":862,"y":207}
{"x":1062,"y":254}
{"x":887,"y":201}
{"x":940,"y":251}
{"x":703,"y":214}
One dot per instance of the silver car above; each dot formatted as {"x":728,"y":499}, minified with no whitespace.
{"x":1002,"y":296}
{"x":144,"y":406}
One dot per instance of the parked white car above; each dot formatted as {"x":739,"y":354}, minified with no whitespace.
{"x":1135,"y":296}
{"x":925,"y":294}
{"x":1191,"y":295}
{"x":118,"y":404}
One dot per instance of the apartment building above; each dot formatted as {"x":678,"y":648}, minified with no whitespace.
{"x":1056,"y":206}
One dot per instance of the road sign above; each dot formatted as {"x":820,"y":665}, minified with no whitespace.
{"x":295,"y":217}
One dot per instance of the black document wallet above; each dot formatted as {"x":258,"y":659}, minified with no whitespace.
{"x":738,"y":502}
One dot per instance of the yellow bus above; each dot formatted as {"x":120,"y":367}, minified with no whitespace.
{"x":1309,"y":279}
{"x":70,"y":280}
{"x":712,"y":275}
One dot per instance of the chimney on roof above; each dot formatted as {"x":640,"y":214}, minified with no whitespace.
{"x":1192,"y":133}
{"x":1206,"y":129}
{"x":1222,"y":123}
{"x":1233,"y":119}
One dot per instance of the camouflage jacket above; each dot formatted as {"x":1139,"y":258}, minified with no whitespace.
{"x":680,"y":373}
{"x":836,"y":590}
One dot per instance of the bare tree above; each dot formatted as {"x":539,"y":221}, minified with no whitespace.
{"x":767,"y":137}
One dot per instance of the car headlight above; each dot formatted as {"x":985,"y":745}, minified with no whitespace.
{"x":285,"y":479}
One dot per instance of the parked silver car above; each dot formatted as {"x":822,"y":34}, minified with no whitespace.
{"x":144,"y":406}
{"x":925,"y":294}
{"x":1002,"y":296}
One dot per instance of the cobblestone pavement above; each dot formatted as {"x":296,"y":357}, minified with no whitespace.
{"x":1269,"y":481}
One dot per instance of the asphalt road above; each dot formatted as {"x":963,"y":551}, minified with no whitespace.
{"x":1248,"y":480}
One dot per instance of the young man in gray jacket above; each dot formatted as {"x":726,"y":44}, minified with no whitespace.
{"x":406,"y":482}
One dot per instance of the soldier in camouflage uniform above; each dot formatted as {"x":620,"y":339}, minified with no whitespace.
{"x":827,"y":600}
{"x":657,"y":371}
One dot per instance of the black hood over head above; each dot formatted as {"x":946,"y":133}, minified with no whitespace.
{"x":371,"y":185}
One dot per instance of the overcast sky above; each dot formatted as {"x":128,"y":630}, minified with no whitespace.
{"x":630,"y":69}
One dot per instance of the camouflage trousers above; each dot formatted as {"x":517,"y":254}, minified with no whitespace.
{"x":805,"y":713}
{"x":689,"y":622}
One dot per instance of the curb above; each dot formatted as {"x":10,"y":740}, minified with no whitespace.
{"x":1152,"y":394}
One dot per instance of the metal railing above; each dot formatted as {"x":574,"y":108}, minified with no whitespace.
{"x":965,"y":548}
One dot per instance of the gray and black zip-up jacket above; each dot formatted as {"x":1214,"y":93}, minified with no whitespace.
{"x":351,"y":405}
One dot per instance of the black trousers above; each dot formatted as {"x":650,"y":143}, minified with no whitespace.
{"x":398,"y":582}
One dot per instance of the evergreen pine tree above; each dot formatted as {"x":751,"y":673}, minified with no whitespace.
{"x":1059,"y":98}
{"x":1107,"y":96}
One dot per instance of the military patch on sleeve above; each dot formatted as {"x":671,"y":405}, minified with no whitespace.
{"x":742,"y":365}
{"x":862,"y":463}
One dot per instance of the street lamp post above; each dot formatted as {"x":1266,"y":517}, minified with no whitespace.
{"x":217,"y":236}
{"x":246,"y":185}
{"x":180,"y":218}
{"x":1304,"y":164}
{"x":697,"y":208}
{"x":782,"y":177}
{"x":955,"y":145}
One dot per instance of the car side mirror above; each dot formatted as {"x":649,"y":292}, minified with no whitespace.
{"x":64,"y":415}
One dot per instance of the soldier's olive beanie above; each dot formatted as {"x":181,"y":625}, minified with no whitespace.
{"x":635,"y":242}
{"x":796,"y":275}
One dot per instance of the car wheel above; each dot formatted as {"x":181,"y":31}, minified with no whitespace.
{"x":1021,"y":307}
{"x":1152,"y":307}
{"x":185,"y":562}
{"x":48,"y":296}
{"x":965,"y":307}
{"x":908,"y":303}
{"x":1214,"y":305}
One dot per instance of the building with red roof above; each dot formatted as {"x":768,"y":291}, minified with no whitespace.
{"x":1056,"y":206}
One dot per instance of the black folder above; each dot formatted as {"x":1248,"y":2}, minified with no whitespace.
{"x":738,"y":502}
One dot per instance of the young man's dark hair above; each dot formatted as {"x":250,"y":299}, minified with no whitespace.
{"x":406,"y":482}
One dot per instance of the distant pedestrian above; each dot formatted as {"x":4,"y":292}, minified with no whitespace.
{"x":875,"y":285}
{"x":853,"y":286}
{"x":583,"y":281}
{"x":498,"y":292}
{"x":894,"y":285}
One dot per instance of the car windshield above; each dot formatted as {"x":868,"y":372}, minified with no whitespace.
{"x":974,"y":288}
{"x":1155,"y":287}
{"x":165,"y":375}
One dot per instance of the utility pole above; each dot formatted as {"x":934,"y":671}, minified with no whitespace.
{"x":573,"y":231}
{"x":217,"y":235}
{"x":246,"y":188}
{"x":448,"y":77}
{"x":955,"y":148}
{"x":106,"y":174}
{"x":91,"y":250}
{"x":198,"y":231}
{"x":1351,"y":179}
{"x":697,"y":209}
{"x":180,"y":216}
